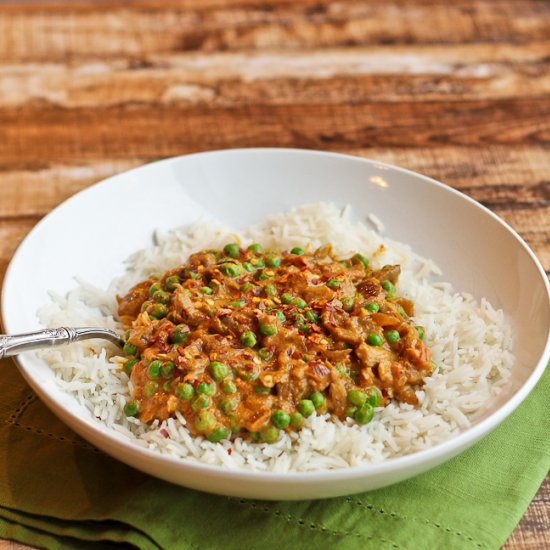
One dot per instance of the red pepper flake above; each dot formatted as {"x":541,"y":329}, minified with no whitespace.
{"x":164,"y":433}
{"x":229,"y":451}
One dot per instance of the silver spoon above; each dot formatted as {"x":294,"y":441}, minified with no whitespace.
{"x":51,"y":337}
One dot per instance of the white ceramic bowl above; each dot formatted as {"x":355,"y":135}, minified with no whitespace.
{"x":93,"y":232}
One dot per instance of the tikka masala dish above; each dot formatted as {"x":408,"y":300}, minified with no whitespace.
{"x":247,"y":342}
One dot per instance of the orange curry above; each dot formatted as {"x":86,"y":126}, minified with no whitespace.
{"x":247,"y":342}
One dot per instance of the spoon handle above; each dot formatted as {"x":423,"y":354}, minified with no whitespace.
{"x":18,"y":343}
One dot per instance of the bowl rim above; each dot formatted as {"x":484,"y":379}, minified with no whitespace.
{"x":446,"y":448}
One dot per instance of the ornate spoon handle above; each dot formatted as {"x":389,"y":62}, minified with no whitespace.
{"x":17,"y":343}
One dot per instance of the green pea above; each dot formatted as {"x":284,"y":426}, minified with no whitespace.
{"x":299,"y":303}
{"x":206,"y":290}
{"x":312,"y":317}
{"x":269,"y":434}
{"x":179,"y":334}
{"x":127,"y":334}
{"x":362,"y":259}
{"x":280,"y":316}
{"x":280,"y":419}
{"x":296,"y":420}
{"x":286,"y":298}
{"x":373,"y":307}
{"x":154,"y":288}
{"x":231,"y":270}
{"x":246,"y":287}
{"x":268,"y":330}
{"x":190,"y":274}
{"x":248,"y":339}
{"x":129,"y":365}
{"x":232,"y":249}
{"x":167,"y":369}
{"x":333,"y":283}
{"x":167,"y":386}
{"x":248,"y":372}
{"x":129,"y":349}
{"x":206,"y":388}
{"x":348,"y":303}
{"x":373,"y":396}
{"x":201,"y":402}
{"x":300,"y":324}
{"x":356,"y":397}
{"x":389,"y":287}
{"x":318,"y":399}
{"x":150,"y":388}
{"x":264,"y":354}
{"x":229,"y":387}
{"x":248,"y":267}
{"x":131,"y":408}
{"x":258,"y":263}
{"x":364,"y":414}
{"x":161,"y":297}
{"x":234,"y":422}
{"x":420,"y":331}
{"x":217,"y":434}
{"x":306,"y":407}
{"x":262,"y":390}
{"x":184,"y":391}
{"x":154,"y":369}
{"x":392,"y":336}
{"x":255,"y":436}
{"x":205,"y":421}
{"x":158,"y":311}
{"x":350,"y":411}
{"x":341,"y":369}
{"x":273,"y":261}
{"x":228,"y":404}
{"x":218,"y":370}
{"x":298,"y":251}
{"x":374,"y":339}
{"x":270,"y":290}
{"x":401,"y":311}
{"x":237,"y":303}
{"x":172,"y":282}
{"x":256,"y":248}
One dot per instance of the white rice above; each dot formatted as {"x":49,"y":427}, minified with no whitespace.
{"x":471,"y":344}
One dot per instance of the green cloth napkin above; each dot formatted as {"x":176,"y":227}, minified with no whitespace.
{"x":57,"y":491}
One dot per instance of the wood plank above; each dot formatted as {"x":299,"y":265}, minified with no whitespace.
{"x":52,"y":133}
{"x":386,"y":73}
{"x":34,"y":192}
{"x":37,"y":32}
{"x":532,"y":532}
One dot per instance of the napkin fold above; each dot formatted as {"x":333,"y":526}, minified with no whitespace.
{"x":57,"y":491}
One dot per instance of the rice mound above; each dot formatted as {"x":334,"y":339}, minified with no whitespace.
{"x":471,"y":344}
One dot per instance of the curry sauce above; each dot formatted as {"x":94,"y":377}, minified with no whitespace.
{"x":248,"y":342}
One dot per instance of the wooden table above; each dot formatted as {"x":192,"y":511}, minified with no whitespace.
{"x":459,"y":91}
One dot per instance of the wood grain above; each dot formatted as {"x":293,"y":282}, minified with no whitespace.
{"x":458,"y":91}
{"x":36,"y":33}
